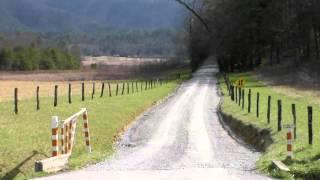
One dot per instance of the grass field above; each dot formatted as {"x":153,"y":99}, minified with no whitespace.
{"x":27,"y":89}
{"x":26,"y":137}
{"x":306,"y":161}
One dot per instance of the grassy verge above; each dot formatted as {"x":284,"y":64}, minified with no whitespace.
{"x":26,"y":137}
{"x":306,"y":163}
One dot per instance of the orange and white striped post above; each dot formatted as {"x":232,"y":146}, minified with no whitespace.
{"x":55,"y":135}
{"x":66,"y":138}
{"x":73,"y":133}
{"x":289,"y":141}
{"x":86,"y":130}
{"x":62,"y":139}
{"x":69,"y":137}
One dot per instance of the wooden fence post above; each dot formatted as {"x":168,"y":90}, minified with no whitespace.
{"x":132,"y":87}
{"x":146,"y":87}
{"x":93,"y":89}
{"x":82,"y":91}
{"x":117,"y":89}
{"x":128,"y":88}
{"x":137,"y":89}
{"x":38,"y":98}
{"x":69,"y":94}
{"x":229,"y":85}
{"x":294,"y":116}
{"x":279,"y":115}
{"x":243,"y":98}
{"x":310,"y":129}
{"x":249,"y":101}
{"x":258,"y":102}
{"x":16,"y":101}
{"x":102,"y":89}
{"x":232,"y":92}
{"x":269,"y":109}
{"x":123,"y":84}
{"x":110,"y":93}
{"x":240,"y":96}
{"x":236,"y":91}
{"x":55,"y":103}
{"x":141,"y":84}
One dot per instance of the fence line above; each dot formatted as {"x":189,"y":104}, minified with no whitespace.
{"x":69,"y":93}
{"x":233,"y":93}
{"x":38,"y":98}
{"x":149,"y":84}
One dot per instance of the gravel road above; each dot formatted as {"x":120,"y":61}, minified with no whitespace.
{"x":181,"y":138}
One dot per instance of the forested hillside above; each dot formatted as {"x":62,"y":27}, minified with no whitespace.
{"x":244,"y":34}
{"x":111,"y":41}
{"x":77,"y":15}
{"x":143,"y":28}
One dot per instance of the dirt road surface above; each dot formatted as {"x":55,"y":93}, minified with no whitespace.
{"x":181,"y":138}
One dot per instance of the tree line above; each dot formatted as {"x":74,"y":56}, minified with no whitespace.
{"x":122,"y":42}
{"x":101,"y":41}
{"x":244,"y":34}
{"x":27,"y":58}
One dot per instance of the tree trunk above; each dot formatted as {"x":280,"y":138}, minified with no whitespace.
{"x":271,"y":56}
{"x":251,"y":62}
{"x":316,"y":41}
{"x":231,"y":66}
{"x":278,"y":55}
{"x":308,"y":51}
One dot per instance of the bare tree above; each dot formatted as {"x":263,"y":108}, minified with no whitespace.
{"x":194,"y":12}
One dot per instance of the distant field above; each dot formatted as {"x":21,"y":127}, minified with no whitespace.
{"x":111,"y":69}
{"x":107,"y":68}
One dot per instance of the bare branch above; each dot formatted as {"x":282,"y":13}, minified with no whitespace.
{"x":194,"y":13}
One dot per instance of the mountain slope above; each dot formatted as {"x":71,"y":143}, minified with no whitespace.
{"x":62,"y":15}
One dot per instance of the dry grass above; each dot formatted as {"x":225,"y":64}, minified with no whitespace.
{"x":27,"y":89}
{"x":292,"y":91}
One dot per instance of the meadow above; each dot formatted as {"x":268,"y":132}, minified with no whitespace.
{"x":26,"y":136}
{"x":305,"y":162}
